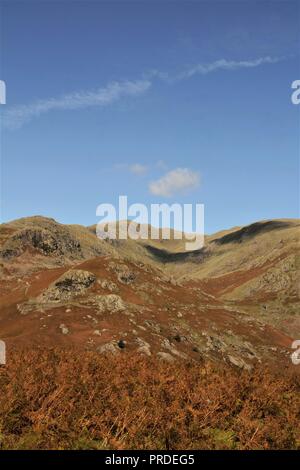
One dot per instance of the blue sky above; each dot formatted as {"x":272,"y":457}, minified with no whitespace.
{"x":161,"y":101}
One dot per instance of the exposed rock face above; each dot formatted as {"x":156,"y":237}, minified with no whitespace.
{"x":50,"y":242}
{"x":283,"y":277}
{"x":108,"y":348}
{"x":70,"y":284}
{"x":42,"y":240}
{"x":108,"y":285}
{"x":124,"y":274}
{"x":239,"y":362}
{"x":110,"y":303}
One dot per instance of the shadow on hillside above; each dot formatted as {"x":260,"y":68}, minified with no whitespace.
{"x":251,"y":231}
{"x":165,"y":256}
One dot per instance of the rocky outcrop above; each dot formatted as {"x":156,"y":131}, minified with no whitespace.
{"x":54,"y":242}
{"x":109,"y":303}
{"x":70,"y":284}
{"x":108,"y":285}
{"x":124,"y":274}
{"x":41,"y":240}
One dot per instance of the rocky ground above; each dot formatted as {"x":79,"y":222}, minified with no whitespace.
{"x":236,"y":300}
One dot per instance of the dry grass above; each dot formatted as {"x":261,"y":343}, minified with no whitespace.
{"x":54,"y":399}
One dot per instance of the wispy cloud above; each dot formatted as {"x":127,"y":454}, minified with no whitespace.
{"x":175,"y":181}
{"x":138,"y":169}
{"x":224,"y":64}
{"x":204,"y":69}
{"x":16,"y":116}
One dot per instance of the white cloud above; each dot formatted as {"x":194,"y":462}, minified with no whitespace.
{"x":138,"y":169}
{"x":224,"y":64}
{"x":16,"y":116}
{"x":204,"y":69}
{"x":175,"y":181}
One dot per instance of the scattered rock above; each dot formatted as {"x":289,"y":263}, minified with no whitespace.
{"x":111,"y":303}
{"x":144,"y":347}
{"x":108,"y":348}
{"x":216,"y":344}
{"x":126,"y":276}
{"x":179,"y":338}
{"x":167,"y":345}
{"x":142,"y":328}
{"x":239,"y":362}
{"x":108,"y":285}
{"x":153,"y":326}
{"x":64,"y":329}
